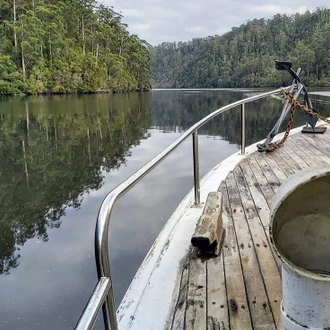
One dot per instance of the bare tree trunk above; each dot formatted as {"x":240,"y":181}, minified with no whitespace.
{"x":50,"y":51}
{"x":89,"y":148}
{"x":100,"y":128}
{"x":56,"y":138}
{"x":25,"y":166}
{"x":97,"y":50}
{"x":22,"y":53}
{"x":27,"y":120}
{"x":23,"y":63}
{"x":15,"y":36}
{"x":83,"y":34}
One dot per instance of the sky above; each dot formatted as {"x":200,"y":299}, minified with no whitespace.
{"x":158,"y":21}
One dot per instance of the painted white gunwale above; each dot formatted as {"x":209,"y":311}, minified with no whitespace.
{"x":150,"y":299}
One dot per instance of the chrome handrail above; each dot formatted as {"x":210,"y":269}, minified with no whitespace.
{"x":103,"y":292}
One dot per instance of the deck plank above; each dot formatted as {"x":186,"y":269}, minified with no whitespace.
{"x":301,"y":162}
{"x":267,"y":260}
{"x":304,"y":152}
{"x":318,"y":147}
{"x":180,"y":308}
{"x":258,"y":302}
{"x":311,"y":151}
{"x":259,"y":198}
{"x":268,"y":160}
{"x":196,"y":300}
{"x":241,"y":288}
{"x":236,"y":294}
{"x":290,"y":159}
{"x":262,"y":181}
{"x":282,"y":163}
{"x":268,"y":172}
{"x":217,"y":306}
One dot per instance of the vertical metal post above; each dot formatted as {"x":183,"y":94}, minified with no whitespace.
{"x":109,"y":312}
{"x":243,"y":129}
{"x":196,"y":168}
{"x":103,"y":270}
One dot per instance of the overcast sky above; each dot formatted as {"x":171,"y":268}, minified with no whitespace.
{"x":157,"y":21}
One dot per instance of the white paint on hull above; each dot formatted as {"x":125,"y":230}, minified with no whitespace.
{"x":149,"y":300}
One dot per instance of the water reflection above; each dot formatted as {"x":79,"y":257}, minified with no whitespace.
{"x":59,"y":158}
{"x":187,"y":107}
{"x":50,"y":156}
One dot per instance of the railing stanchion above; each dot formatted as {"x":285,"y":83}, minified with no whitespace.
{"x":109,"y":312}
{"x":243,"y":128}
{"x":104,"y":270}
{"x":196,"y":168}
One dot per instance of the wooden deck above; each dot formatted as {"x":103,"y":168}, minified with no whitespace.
{"x":241,"y":289}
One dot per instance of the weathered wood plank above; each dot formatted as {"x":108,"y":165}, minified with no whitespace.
{"x":271,"y":163}
{"x":259,"y":198}
{"x":262,"y":181}
{"x":321,"y":145}
{"x":303,"y":163}
{"x":180,"y":308}
{"x":285,"y":155}
{"x":324,"y":137}
{"x":309,"y":149}
{"x":282,"y":163}
{"x":196,"y":300}
{"x":267,"y":260}
{"x":241,"y":289}
{"x":208,"y":234}
{"x":217,"y":306}
{"x":302,"y":153}
{"x":272,"y":179}
{"x":239,"y":315}
{"x":260,"y":311}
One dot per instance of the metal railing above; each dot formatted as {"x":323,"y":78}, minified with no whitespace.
{"x":103,"y":295}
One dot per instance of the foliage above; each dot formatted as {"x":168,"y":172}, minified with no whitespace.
{"x":68,"y":46}
{"x":51,"y":157}
{"x":244,"y":57}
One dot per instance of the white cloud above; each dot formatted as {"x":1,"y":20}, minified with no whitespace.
{"x":131,"y":13}
{"x":159,"y":21}
{"x":195,"y":28}
{"x":140,"y":27}
{"x":270,"y":10}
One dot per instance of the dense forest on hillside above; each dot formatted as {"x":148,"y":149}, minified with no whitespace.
{"x":68,"y":46}
{"x":244,"y":57}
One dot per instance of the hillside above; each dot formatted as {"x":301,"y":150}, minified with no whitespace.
{"x":68,"y":46}
{"x":244,"y":57}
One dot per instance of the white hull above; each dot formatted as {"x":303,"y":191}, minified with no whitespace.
{"x":149,"y":301}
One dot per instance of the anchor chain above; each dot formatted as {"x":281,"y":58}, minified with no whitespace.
{"x":275,"y":145}
{"x":289,"y":96}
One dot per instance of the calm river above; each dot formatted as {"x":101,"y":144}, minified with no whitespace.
{"x":61,"y":155}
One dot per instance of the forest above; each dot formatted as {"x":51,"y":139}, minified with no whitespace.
{"x":68,"y":46}
{"x":81,"y":46}
{"x":244,"y":57}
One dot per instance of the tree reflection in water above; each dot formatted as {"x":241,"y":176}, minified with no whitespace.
{"x":55,"y":150}
{"x":50,"y":157}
